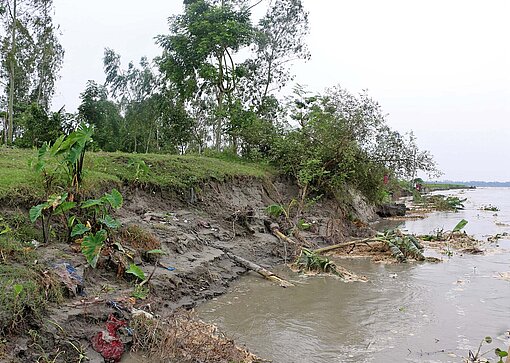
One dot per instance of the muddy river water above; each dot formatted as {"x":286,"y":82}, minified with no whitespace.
{"x":414,"y":312}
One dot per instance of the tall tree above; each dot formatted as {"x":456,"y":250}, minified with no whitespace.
{"x":279,"y":40}
{"x":31,"y":56}
{"x":198,"y":55}
{"x":97,"y":110}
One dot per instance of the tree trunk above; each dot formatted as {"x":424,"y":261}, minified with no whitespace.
{"x":219,"y":123}
{"x":11,"y":80}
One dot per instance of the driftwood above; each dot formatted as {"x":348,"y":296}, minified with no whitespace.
{"x":345,"y":244}
{"x":259,"y":269}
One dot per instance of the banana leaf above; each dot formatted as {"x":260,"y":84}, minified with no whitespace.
{"x":395,"y":251}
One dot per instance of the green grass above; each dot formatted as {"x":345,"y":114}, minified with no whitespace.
{"x":444,"y":186}
{"x":25,"y":293}
{"x":19,"y":182}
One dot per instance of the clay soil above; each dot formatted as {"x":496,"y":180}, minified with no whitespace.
{"x":196,"y":230}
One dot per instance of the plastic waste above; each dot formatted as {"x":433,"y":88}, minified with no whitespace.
{"x":70,"y":277}
{"x":107,"y":342}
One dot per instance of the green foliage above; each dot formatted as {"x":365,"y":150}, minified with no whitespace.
{"x":140,"y":292}
{"x":402,"y":246}
{"x":311,"y":261}
{"x":30,"y":64}
{"x":276,"y":210}
{"x":79,"y":229}
{"x":302,"y":225}
{"x":25,"y":293}
{"x":67,"y":154}
{"x":459,"y":226}
{"x":55,"y":204}
{"x":490,"y":208}
{"x":443,"y":203}
{"x":92,"y":245}
{"x":38,"y":126}
{"x":136,"y":271}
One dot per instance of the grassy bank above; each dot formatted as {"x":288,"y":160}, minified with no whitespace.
{"x":18,"y":180}
{"x":444,"y":186}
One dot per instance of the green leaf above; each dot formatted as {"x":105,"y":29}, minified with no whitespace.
{"x":501,"y":353}
{"x":6,"y":229}
{"x":92,"y":245}
{"x":79,"y":229}
{"x":115,"y":199}
{"x":64,"y":207}
{"x":92,"y":203}
{"x":460,"y":225}
{"x":275,"y":210}
{"x":71,"y":221}
{"x":36,"y":211}
{"x":56,"y":145}
{"x":136,"y":271}
{"x":302,"y":225}
{"x":109,"y":221}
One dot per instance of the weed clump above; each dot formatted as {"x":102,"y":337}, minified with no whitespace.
{"x":186,"y":339}
{"x":25,"y":293}
{"x":138,"y":238}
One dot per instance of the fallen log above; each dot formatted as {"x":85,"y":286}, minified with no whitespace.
{"x":259,"y":269}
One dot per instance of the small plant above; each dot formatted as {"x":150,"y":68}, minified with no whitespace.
{"x":140,"y":292}
{"x":67,"y":154}
{"x":55,"y":205}
{"x":311,"y":261}
{"x":136,"y":271}
{"x":140,"y":167}
{"x":303,"y":226}
{"x":476,"y":356}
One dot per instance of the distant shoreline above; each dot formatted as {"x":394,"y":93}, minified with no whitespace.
{"x":467,"y":184}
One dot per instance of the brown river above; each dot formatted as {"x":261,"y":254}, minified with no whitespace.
{"x":414,"y":312}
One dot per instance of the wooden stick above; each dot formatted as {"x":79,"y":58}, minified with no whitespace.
{"x":259,"y":269}
{"x":280,"y":235}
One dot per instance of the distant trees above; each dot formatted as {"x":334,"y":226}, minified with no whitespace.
{"x":215,"y":85}
{"x":31,"y":58}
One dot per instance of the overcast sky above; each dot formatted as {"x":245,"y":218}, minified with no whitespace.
{"x":439,"y":68}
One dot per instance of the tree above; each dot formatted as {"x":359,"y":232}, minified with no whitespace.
{"x":97,"y":110}
{"x":155,"y":118}
{"x":279,"y":40}
{"x":38,"y":126}
{"x":31,"y":56}
{"x":341,"y":139}
{"x":198,"y":55}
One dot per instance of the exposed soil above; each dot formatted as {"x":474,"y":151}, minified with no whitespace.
{"x":196,"y":232}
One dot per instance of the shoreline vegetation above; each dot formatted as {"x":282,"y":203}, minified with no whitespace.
{"x":175,"y":176}
{"x":187,"y":227}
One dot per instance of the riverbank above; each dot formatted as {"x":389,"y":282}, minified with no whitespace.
{"x":414,"y":312}
{"x":195,"y":210}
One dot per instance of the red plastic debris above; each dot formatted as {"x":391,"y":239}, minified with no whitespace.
{"x":107,"y":342}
